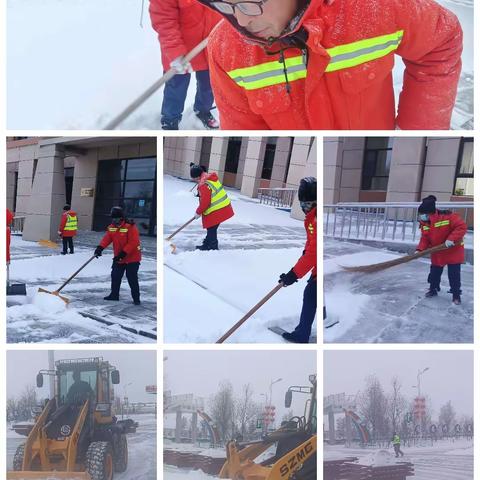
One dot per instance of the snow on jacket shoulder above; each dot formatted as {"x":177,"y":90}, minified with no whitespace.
{"x":347,"y":83}
{"x":181,"y":25}
{"x":444,"y":225}
{"x":308,"y":260}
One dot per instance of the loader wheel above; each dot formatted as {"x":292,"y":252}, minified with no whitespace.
{"x":120,"y":457}
{"x":99,"y":461}
{"x":18,"y":458}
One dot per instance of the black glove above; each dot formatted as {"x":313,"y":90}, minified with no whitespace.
{"x":119,"y":257}
{"x":98,"y":251}
{"x":288,"y":278}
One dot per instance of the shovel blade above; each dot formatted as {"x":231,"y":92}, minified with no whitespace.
{"x":16,"y":289}
{"x":57,"y":294}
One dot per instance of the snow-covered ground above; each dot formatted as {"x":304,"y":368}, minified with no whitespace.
{"x":445,"y":460}
{"x":142,"y":449}
{"x":389,"y":306}
{"x":205,"y":293}
{"x":41,"y":317}
{"x":75,"y":65}
{"x":175,"y":473}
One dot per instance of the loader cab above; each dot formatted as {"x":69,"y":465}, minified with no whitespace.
{"x":309,"y":415}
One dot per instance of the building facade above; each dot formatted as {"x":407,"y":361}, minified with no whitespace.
{"x":92,"y":174}
{"x":397,"y":169}
{"x":245,"y":163}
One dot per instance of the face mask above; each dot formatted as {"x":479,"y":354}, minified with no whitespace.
{"x":307,"y":206}
{"x":423,"y":217}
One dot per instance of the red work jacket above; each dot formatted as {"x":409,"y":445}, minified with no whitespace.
{"x":63,"y":221}
{"x":125,"y":238}
{"x":347,"y":81}
{"x":181,"y":25}
{"x":308,"y":260}
{"x":10,"y":218}
{"x":444,"y":225}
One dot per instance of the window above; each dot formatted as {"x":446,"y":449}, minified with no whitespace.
{"x":464,"y":175}
{"x":233,"y":154}
{"x":376,"y":163}
{"x":131,"y":184}
{"x":66,"y":381}
{"x":270,"y":149}
{"x":68,"y":184}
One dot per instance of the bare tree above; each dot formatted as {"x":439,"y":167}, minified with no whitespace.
{"x":246,"y":410}
{"x":222,"y":407}
{"x":447,"y":416}
{"x":373,"y":407}
{"x":397,"y":405}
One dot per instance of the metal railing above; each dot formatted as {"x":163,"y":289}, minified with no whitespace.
{"x":18,"y":224}
{"x":277,"y":197}
{"x":384,"y":221}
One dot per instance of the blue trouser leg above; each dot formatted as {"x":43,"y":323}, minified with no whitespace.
{"x":174,"y":96}
{"x":204,"y":96}
{"x":454,"y":279}
{"x":211,"y":240}
{"x":435,"y":276}
{"x":309,"y":310}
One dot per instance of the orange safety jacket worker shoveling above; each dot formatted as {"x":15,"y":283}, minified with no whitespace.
{"x":333,"y":68}
{"x":308,"y":261}
{"x":125,"y":238}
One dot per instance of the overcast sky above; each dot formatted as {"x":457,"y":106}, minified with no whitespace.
{"x":200,"y":372}
{"x":449,"y":377}
{"x":137,"y":369}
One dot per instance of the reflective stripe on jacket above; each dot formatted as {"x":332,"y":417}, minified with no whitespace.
{"x":396,"y":440}
{"x":71,"y":223}
{"x":68,"y":224}
{"x":341,"y":76}
{"x":219,"y":197}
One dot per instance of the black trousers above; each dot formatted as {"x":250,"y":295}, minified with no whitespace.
{"x":131,"y":270}
{"x":453,"y":277}
{"x":211,"y":240}
{"x":309,"y":310}
{"x":67,"y":243}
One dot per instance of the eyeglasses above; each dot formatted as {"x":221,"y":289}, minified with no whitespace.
{"x":252,"y":9}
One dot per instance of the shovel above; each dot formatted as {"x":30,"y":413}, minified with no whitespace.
{"x":264,"y":300}
{"x":57,"y":292}
{"x":14,"y":288}
{"x":48,"y":243}
{"x":173,"y":246}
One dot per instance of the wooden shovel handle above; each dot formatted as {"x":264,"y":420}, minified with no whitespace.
{"x":250,"y":313}
{"x":179,"y":229}
{"x":76,"y":273}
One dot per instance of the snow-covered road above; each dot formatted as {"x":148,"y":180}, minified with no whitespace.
{"x":389,"y":306}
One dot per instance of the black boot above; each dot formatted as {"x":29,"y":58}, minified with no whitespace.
{"x":431,"y":293}
{"x":111,"y":297}
{"x":137,"y":302}
{"x":291,"y":337}
{"x":456,"y":299}
{"x":170,"y":124}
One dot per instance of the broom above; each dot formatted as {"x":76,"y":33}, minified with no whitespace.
{"x":377,"y":267}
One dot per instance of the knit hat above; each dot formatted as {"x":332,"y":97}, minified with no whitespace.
{"x":66,"y":207}
{"x":196,"y":170}
{"x":428,"y":205}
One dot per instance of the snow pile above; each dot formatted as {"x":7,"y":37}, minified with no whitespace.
{"x":49,"y":303}
{"x":461,"y":451}
{"x":382,"y":458}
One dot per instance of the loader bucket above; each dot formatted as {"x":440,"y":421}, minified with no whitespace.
{"x":56,"y":293}
{"x":32,"y":475}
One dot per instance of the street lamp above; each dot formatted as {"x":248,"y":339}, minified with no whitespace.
{"x":273,"y":382}
{"x":420,"y":372}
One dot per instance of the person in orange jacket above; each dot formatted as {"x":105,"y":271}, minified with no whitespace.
{"x":181,"y":25}
{"x":124,"y":236}
{"x":327,"y":64}
{"x":442,"y":227}
{"x":214,"y":206}
{"x":68,"y":228}
{"x":307,"y":195}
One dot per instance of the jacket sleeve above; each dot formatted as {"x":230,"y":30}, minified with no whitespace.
{"x":205,"y":198}
{"x":431,"y":49}
{"x":165,"y":17}
{"x":459,"y":229}
{"x":106,"y":240}
{"x":231,"y":101}
{"x":424,"y":242}
{"x":133,"y":240}
{"x":63,"y":222}
{"x":309,"y":258}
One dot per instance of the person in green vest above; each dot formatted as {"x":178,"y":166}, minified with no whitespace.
{"x":396,"y":445}
{"x":68,"y":228}
{"x":214,"y":205}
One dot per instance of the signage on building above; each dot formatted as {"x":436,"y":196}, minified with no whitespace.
{"x":86,"y":192}
{"x":151,"y":389}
